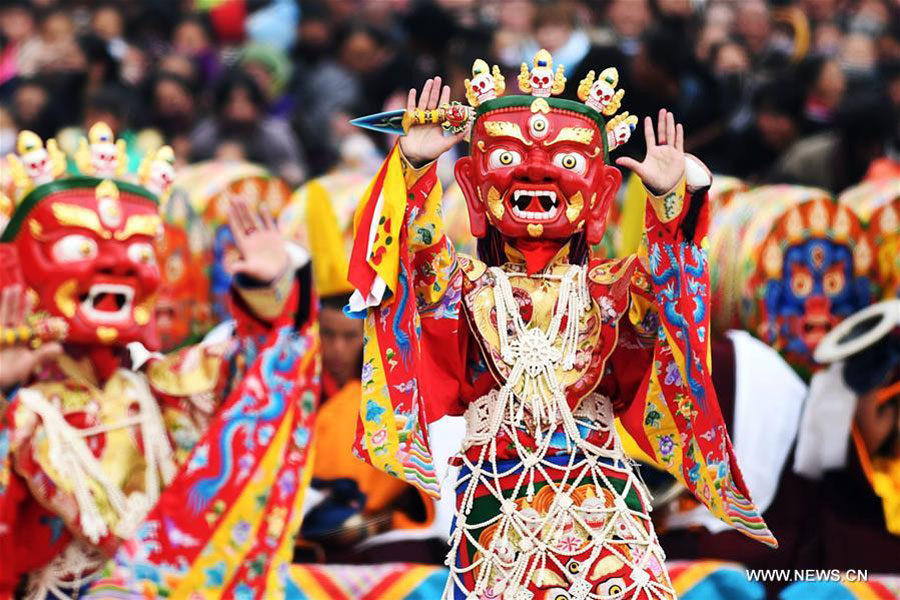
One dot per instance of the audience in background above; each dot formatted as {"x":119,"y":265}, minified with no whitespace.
{"x":240,"y":112}
{"x":763,"y":86}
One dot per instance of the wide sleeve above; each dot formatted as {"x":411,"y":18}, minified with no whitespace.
{"x":674,"y":416}
{"x":261,"y":308}
{"x":224,"y":527}
{"x":408,"y":288}
{"x":256,"y":305}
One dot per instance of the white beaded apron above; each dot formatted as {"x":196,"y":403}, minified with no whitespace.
{"x":533,"y":551}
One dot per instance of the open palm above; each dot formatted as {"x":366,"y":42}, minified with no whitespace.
{"x":663,"y":166}
{"x":20,"y":361}
{"x":261,"y":246}
{"x":424,"y":143}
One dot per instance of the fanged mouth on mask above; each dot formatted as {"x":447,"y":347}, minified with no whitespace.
{"x":534,"y":206}
{"x":107,"y":303}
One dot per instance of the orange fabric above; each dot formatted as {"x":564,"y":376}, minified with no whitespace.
{"x":885,"y":394}
{"x":335,"y":432}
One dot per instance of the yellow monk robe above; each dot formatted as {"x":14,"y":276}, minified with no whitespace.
{"x":335,"y":432}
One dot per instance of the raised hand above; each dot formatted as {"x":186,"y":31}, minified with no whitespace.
{"x":261,"y":246}
{"x":19,"y":362}
{"x":663,"y":166}
{"x":424,"y":143}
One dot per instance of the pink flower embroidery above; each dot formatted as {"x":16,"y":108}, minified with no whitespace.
{"x":569,"y":543}
{"x":379,"y":437}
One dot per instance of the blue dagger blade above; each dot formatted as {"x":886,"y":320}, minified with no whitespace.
{"x":385,"y":122}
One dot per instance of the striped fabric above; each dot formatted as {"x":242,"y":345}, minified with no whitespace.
{"x":395,"y":581}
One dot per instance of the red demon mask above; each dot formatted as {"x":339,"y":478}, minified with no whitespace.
{"x":173,"y":303}
{"x":87,"y":250}
{"x":538,"y":170}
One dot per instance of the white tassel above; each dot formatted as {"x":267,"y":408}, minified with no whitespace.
{"x":157,"y":449}
{"x":70,"y":455}
{"x":65,"y":574}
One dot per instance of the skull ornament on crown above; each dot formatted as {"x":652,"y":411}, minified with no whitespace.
{"x":619,"y":129}
{"x":35,"y":164}
{"x":538,"y":167}
{"x":157,"y":172}
{"x":601,"y":94}
{"x":541,"y":81}
{"x":87,"y":252}
{"x":485,"y":84}
{"x":100,"y":155}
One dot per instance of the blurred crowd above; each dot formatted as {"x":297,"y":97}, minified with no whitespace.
{"x":802,"y":91}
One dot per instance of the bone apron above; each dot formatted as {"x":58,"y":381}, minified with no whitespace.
{"x":541,"y":344}
{"x":114,"y":450}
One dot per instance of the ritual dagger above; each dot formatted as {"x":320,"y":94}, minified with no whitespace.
{"x":453,"y":117}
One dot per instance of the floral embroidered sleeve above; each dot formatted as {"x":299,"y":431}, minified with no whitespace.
{"x":674,"y":416}
{"x":408,"y":288}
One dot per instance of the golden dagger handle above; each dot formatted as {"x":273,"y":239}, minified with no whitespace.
{"x":422,"y":117}
{"x":35,"y":333}
{"x":453,"y":116}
